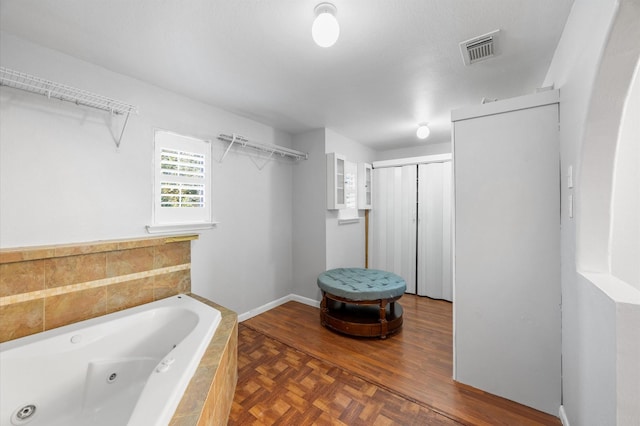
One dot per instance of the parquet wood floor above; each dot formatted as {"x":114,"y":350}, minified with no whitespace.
{"x":414,"y":365}
{"x":279,"y":385}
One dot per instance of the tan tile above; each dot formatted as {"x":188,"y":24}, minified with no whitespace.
{"x":74,"y":269}
{"x":196,"y":392}
{"x":140,"y":243}
{"x":129,"y":293}
{"x":191,"y":420}
{"x":10,"y":256}
{"x":21,"y":319}
{"x":208,"y":416}
{"x":88,"y":248}
{"x":123,"y":262}
{"x":211,"y":357}
{"x":23,"y":254}
{"x":172,"y":254}
{"x":21,"y":277}
{"x":167,"y":285}
{"x":74,"y":307}
{"x":212,"y":412}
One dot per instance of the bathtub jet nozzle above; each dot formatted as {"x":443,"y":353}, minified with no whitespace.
{"x":23,"y":414}
{"x":112,"y":377}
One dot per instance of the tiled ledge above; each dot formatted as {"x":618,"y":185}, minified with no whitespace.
{"x":208,"y":398}
{"x":21,"y":254}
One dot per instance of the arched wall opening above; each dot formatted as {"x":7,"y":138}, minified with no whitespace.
{"x":611,"y":97}
{"x":608,"y":238}
{"x":625,"y":203}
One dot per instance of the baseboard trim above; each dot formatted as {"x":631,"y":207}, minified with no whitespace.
{"x":305,"y":300}
{"x":273,"y":304}
{"x":563,"y":416}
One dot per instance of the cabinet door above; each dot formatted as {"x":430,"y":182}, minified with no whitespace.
{"x":336,"y":181}
{"x":507,"y":255}
{"x":364,"y":186}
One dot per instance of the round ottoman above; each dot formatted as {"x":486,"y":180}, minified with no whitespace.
{"x":361,"y":302}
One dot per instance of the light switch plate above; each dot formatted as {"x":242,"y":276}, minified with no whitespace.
{"x":571,"y":206}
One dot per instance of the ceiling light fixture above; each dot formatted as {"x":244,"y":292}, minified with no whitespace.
{"x":325,"y":29}
{"x":423,"y":131}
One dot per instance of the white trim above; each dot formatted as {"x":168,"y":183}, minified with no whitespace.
{"x":617,"y":290}
{"x":453,"y":250}
{"x":305,"y":300}
{"x":563,"y":416}
{"x":347,"y":221}
{"x":274,"y":304}
{"x":179,"y":228}
{"x":505,"y":105}
{"x":437,"y":158}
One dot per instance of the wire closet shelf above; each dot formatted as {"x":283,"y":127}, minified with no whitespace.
{"x":260,"y":147}
{"x":51,"y":89}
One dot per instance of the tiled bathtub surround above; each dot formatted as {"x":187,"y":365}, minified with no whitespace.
{"x":208,"y":398}
{"x":47,"y":287}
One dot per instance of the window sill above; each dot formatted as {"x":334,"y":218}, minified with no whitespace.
{"x":614,"y":288}
{"x":348,"y":221}
{"x":183,"y":227}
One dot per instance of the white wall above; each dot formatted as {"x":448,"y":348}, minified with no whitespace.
{"x":414,"y":151}
{"x":310,"y":204}
{"x":319,"y":242}
{"x":345,"y":243}
{"x":599,"y":338}
{"x":62,"y":179}
{"x":625,"y":229}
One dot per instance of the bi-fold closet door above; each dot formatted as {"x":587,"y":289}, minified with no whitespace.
{"x":434,"y":231}
{"x":410,"y":230}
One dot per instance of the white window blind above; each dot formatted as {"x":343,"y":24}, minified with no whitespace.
{"x":182,"y":189}
{"x":183,"y":182}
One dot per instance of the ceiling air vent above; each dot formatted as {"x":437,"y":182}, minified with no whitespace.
{"x":480,"y":48}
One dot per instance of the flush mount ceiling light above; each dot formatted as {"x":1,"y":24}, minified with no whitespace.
{"x":325,"y":29}
{"x":423,"y":131}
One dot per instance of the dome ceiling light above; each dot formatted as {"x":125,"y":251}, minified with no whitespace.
{"x":423,"y":131}
{"x":325,"y":29}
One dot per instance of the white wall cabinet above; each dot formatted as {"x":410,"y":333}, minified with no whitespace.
{"x":336,"y":197}
{"x":365,"y":182}
{"x":507,"y":249}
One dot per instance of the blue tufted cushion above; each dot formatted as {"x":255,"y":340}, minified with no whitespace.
{"x":361,"y":284}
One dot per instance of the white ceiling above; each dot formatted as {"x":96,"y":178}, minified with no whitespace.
{"x":396,"y":63}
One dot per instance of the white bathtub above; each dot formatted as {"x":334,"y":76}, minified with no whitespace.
{"x":126,"y":368}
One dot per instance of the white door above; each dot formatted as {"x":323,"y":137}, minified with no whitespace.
{"x":393,"y":222}
{"x":434,"y":231}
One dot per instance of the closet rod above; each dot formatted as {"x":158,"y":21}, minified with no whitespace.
{"x":51,"y":89}
{"x":267,"y":148}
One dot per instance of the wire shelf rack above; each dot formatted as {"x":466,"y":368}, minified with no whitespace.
{"x":270,"y":149}
{"x":51,"y":89}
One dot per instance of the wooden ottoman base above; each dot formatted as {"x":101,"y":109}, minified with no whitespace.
{"x":362,"y":318}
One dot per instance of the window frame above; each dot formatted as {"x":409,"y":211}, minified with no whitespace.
{"x":180,"y":219}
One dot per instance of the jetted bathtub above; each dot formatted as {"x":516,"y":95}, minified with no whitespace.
{"x":126,"y":368}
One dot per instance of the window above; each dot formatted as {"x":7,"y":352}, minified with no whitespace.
{"x":182,"y":183}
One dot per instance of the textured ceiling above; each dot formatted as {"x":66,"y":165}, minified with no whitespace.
{"x":396,"y":63}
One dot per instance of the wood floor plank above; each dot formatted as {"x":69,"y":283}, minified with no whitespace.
{"x":415,"y":363}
